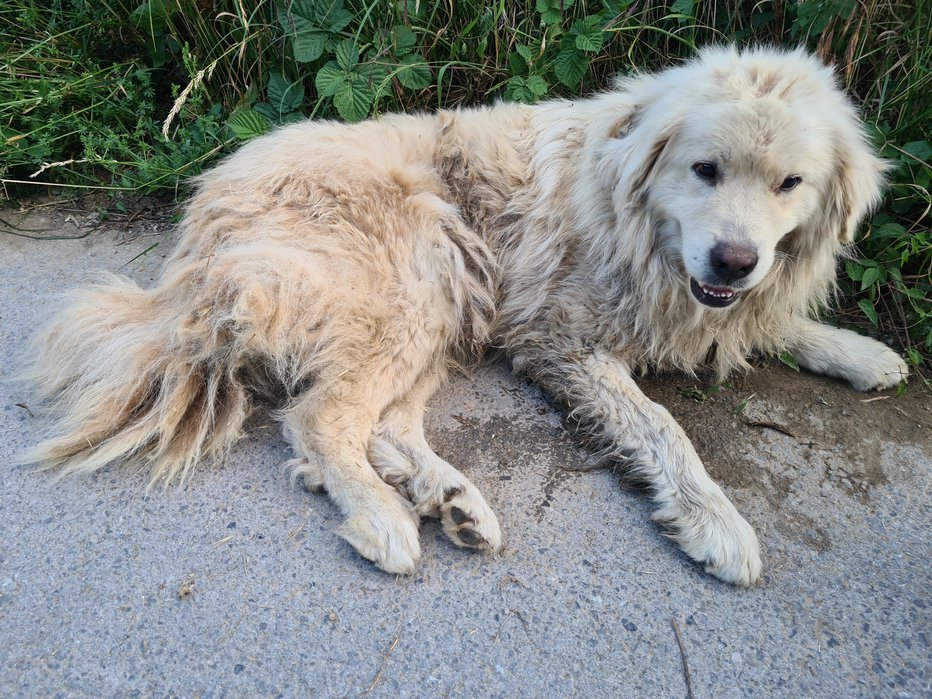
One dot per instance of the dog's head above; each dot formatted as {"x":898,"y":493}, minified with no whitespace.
{"x":733,"y":153}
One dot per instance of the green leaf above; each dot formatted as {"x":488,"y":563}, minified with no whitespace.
{"x":326,"y":13}
{"x":309,"y":45}
{"x":525,"y":52}
{"x":377,"y":74}
{"x":921,"y":150}
{"x":868,"y":308}
{"x":516,"y":90}
{"x":871,"y":275}
{"x":516,"y":64}
{"x":683,"y":7}
{"x":412,"y":8}
{"x":537,"y":85}
{"x":38,"y":151}
{"x":247,"y":124}
{"x":570,"y":66}
{"x":413,"y":73}
{"x":310,"y":24}
{"x":813,"y":17}
{"x":338,"y":19}
{"x":152,"y":16}
{"x":353,"y":100}
{"x":266,"y":110}
{"x":854,"y":270}
{"x":888,"y":230}
{"x":292,"y":117}
{"x":527,"y":90}
{"x":329,"y":79}
{"x":403,"y":39}
{"x":347,"y":54}
{"x":283,"y":95}
{"x":789,"y":360}
{"x":551,"y":11}
{"x":589,"y":34}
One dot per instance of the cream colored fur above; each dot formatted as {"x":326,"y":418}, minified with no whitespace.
{"x":341,"y":270}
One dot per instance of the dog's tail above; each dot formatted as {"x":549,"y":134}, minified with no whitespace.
{"x":129,"y":375}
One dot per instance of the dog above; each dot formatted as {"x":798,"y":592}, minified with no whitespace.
{"x":685,"y":219}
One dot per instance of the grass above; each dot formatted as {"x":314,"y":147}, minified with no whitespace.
{"x":137,"y":96}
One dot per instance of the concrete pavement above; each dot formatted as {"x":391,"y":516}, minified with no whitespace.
{"x":237,"y":585}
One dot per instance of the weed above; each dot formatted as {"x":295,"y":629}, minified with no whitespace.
{"x":140,"y":95}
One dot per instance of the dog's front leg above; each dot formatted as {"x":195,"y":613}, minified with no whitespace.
{"x":601,"y":394}
{"x":862,"y":361}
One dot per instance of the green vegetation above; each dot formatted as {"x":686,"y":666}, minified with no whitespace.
{"x":136,"y":97}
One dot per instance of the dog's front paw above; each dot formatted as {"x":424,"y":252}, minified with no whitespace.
{"x":882,"y":368}
{"x":720,"y":540}
{"x":733,"y":553}
{"x":386,"y":536}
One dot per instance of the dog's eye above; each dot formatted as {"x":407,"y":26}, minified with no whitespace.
{"x":706,"y":171}
{"x":790,"y":183}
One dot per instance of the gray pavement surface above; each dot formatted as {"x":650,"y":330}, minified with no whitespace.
{"x":237,"y":585}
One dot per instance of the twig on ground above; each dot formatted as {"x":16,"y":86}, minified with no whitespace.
{"x":24,"y":407}
{"x":771,"y":426}
{"x":679,"y":641}
{"x":509,"y":579}
{"x":20,"y":232}
{"x":378,"y":675}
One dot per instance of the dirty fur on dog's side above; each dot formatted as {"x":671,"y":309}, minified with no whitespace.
{"x":343,"y":269}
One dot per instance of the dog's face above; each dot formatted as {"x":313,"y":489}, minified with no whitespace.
{"x":732,"y":154}
{"x":732,"y":183}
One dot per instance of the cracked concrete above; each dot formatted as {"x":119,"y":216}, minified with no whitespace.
{"x":237,"y":584}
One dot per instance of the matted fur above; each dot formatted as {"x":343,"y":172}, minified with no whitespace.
{"x":342,"y":269}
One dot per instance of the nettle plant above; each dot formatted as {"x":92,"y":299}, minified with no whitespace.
{"x":355,"y":75}
{"x":557,"y":55}
{"x":351,"y":73}
{"x":892,"y":275}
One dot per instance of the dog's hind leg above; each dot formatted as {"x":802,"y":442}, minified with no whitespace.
{"x":329,"y":427}
{"x":400,"y":453}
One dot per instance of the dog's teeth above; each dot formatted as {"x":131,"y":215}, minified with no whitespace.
{"x":717,"y":294}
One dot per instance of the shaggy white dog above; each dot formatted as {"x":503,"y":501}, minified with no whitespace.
{"x":687,"y":218}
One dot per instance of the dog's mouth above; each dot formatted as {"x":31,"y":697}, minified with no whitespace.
{"x":714,"y":296}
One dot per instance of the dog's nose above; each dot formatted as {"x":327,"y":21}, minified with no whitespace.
{"x":731,"y":261}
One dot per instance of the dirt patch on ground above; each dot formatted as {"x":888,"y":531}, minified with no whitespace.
{"x":726,"y":421}
{"x":789,"y":437}
{"x":53,"y":218}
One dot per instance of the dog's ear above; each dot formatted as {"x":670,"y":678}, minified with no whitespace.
{"x":636,"y":143}
{"x":855,"y":188}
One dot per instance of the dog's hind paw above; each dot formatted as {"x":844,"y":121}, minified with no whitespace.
{"x":387,"y":539}
{"x":436,"y":489}
{"x":468,"y":520}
